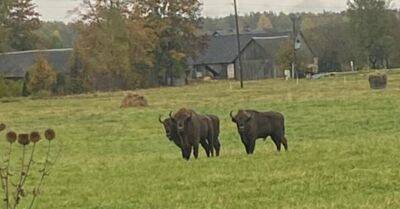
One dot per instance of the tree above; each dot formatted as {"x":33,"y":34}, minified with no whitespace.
{"x":42,"y":77}
{"x":175,"y":22}
{"x":22,"y":21}
{"x":370,"y":23}
{"x":114,"y":46}
{"x":264,"y":23}
{"x":329,"y":36}
{"x":4,"y":13}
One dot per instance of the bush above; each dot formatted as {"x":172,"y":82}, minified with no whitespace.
{"x":9,"y":88}
{"x":41,"y":77}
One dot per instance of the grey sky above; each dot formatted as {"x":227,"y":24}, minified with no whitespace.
{"x":58,"y":9}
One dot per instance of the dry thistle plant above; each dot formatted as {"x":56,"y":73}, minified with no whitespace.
{"x":15,"y":173}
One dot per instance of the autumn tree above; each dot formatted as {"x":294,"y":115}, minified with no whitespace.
{"x":177,"y":25}
{"x":264,"y":23}
{"x":42,"y":76}
{"x":113,"y":46}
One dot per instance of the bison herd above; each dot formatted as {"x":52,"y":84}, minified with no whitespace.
{"x":187,"y":130}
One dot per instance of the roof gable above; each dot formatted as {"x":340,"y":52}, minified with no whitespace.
{"x":223,"y":49}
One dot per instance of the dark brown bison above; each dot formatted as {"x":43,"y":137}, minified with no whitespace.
{"x":188,"y":125}
{"x":253,"y":125}
{"x":172,"y":134}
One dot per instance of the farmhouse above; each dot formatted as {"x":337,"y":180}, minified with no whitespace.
{"x":259,"y":54}
{"x":14,"y":65}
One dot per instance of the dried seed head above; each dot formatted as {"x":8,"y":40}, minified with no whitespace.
{"x":2,"y":127}
{"x":34,"y":137}
{"x":11,"y":137}
{"x":23,"y":139}
{"x":50,"y":134}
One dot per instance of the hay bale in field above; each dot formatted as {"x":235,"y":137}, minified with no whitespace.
{"x":378,"y":80}
{"x":207,"y":78}
{"x":134,"y":100}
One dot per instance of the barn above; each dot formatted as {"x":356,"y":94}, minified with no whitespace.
{"x":258,"y":54}
{"x":14,"y":65}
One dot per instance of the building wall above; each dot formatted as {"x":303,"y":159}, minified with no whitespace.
{"x":204,"y":70}
{"x":256,"y":63}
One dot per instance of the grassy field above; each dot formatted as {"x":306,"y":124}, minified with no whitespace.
{"x":344,"y":144}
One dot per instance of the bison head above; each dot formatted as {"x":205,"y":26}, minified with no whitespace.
{"x":169,"y":126}
{"x":181,"y":119}
{"x":241,"y":119}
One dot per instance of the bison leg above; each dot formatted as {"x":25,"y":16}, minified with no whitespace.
{"x":285,"y":144}
{"x":252,"y":146}
{"x":206,"y":147}
{"x":246,"y":146}
{"x":217,"y":146}
{"x":210,"y":140}
{"x":277,"y":142}
{"x":196,"y":151}
{"x":186,"y":152}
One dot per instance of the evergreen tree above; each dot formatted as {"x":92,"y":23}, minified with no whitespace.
{"x":22,"y":21}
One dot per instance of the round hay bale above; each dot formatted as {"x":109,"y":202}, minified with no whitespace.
{"x":378,"y":81}
{"x":207,"y":78}
{"x":134,"y":100}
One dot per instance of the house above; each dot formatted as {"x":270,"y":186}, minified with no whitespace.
{"x":14,"y":65}
{"x":259,"y":52}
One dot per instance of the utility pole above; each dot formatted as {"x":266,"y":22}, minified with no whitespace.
{"x":238,"y":43}
{"x":294,"y":20}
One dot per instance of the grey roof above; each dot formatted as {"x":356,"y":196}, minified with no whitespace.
{"x":16,"y":64}
{"x":271,"y":44}
{"x":223,"y":48}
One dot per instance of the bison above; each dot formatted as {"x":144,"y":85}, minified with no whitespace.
{"x":253,"y":125}
{"x":192,"y":129}
{"x":172,"y":133}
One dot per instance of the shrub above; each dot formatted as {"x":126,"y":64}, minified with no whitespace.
{"x":9,"y":88}
{"x":41,"y":77}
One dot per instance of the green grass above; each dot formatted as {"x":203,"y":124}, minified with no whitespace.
{"x":343,"y":138}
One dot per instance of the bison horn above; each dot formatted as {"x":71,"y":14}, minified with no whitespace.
{"x":249,"y":115}
{"x":159,"y":119}
{"x":170,"y":114}
{"x":231,"y":114}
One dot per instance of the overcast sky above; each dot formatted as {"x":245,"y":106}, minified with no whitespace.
{"x":58,"y":9}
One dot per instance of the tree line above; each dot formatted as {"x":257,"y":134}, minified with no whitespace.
{"x":125,"y":44}
{"x":367,"y":33}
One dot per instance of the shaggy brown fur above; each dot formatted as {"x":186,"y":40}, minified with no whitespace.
{"x":192,"y":129}
{"x":253,"y":125}
{"x":171,"y":133}
{"x":134,"y":100}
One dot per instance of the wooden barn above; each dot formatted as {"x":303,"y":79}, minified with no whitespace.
{"x":259,"y":54}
